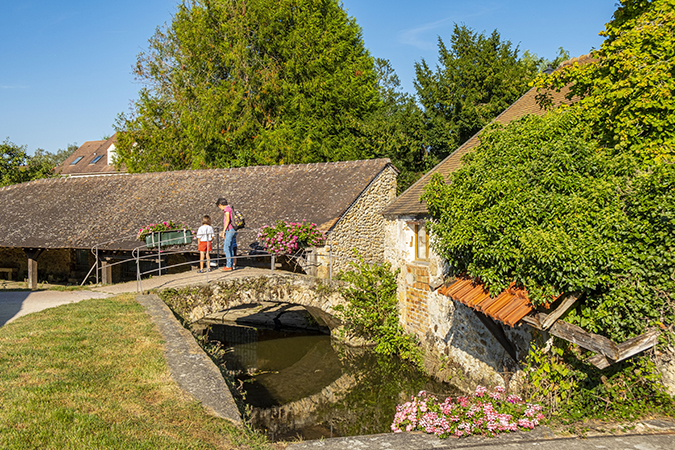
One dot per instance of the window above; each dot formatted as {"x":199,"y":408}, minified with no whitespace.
{"x":96,"y":159}
{"x":77,"y":160}
{"x":421,"y":243}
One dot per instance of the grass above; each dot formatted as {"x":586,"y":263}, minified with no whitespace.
{"x":93,"y":375}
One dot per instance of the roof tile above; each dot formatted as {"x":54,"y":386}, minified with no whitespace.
{"x":508,"y":307}
{"x":80,"y":212}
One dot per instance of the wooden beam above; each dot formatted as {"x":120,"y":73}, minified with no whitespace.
{"x":607,"y":351}
{"x":498,"y":332}
{"x":628,"y":348}
{"x":562,"y":308}
{"x":583,"y":338}
{"x":532,"y":320}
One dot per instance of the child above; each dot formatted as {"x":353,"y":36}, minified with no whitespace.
{"x":205,"y":236}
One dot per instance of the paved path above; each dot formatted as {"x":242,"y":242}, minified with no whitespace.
{"x":14,"y":304}
{"x":539,"y":438}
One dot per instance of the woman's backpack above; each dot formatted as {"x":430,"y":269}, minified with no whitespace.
{"x":238,"y":221}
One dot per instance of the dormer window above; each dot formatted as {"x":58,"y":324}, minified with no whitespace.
{"x":77,"y":160}
{"x":96,"y":159}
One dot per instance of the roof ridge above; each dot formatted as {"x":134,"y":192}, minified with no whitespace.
{"x":581,"y":59}
{"x":273,"y":167}
{"x":258,"y":168}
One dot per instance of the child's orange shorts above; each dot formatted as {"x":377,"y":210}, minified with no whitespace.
{"x":204,"y":246}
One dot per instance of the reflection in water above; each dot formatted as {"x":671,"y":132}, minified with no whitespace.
{"x":305,"y":385}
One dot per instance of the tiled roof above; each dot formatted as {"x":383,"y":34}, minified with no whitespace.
{"x":408,"y":203}
{"x":79,"y":212}
{"x":508,"y":307}
{"x":88,"y":153}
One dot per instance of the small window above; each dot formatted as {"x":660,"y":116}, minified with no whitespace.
{"x":421,"y":243}
{"x":96,"y":159}
{"x":77,"y":160}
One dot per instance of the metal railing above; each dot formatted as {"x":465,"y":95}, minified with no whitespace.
{"x":160,"y":253}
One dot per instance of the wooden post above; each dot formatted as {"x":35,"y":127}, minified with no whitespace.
{"x":32,"y":274}
{"x":106,"y":272}
{"x":566,"y":304}
{"x":32,"y":254}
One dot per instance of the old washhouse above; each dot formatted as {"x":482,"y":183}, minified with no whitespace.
{"x":52,"y":225}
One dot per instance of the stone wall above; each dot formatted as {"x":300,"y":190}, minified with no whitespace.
{"x":14,"y":258}
{"x":53,"y":264}
{"x":457,"y":345}
{"x":361,"y":228}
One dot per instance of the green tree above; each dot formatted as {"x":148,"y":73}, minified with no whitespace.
{"x":43,"y":157}
{"x":539,"y":64}
{"x":16,"y":166}
{"x":626,"y":94}
{"x":395,"y":130}
{"x":477,"y":78}
{"x":233,"y":83}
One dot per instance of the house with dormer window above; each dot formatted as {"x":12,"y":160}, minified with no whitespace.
{"x":91,"y":158}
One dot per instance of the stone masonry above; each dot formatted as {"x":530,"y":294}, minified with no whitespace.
{"x":458,"y":346}
{"x":361,"y":227}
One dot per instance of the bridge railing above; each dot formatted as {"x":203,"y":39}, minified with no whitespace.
{"x":157,"y":255}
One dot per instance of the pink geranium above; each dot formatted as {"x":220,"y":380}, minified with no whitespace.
{"x":474,"y":414}
{"x":288,"y":237}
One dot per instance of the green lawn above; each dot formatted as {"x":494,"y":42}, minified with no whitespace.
{"x":92,"y":375}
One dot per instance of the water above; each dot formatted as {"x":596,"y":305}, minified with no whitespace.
{"x":299,"y":384}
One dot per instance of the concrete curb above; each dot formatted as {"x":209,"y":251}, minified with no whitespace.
{"x":540,"y":437}
{"x":190,"y":367}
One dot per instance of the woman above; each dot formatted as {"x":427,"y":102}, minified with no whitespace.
{"x":228,"y":234}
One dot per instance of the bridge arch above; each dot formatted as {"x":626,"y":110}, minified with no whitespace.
{"x":318,"y":296}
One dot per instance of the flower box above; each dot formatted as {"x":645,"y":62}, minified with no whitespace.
{"x":166,"y":238}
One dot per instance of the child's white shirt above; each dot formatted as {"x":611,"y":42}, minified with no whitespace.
{"x":205,"y":233}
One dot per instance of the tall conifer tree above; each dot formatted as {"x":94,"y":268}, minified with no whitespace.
{"x":477,"y":78}
{"x":233,"y":83}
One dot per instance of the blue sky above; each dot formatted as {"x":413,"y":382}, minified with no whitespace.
{"x":66,"y":66}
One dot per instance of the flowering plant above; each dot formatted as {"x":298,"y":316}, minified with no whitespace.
{"x":286,"y":237}
{"x":160,"y":226}
{"x":483,"y":412}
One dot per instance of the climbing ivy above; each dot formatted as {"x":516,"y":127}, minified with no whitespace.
{"x":542,"y":204}
{"x":582,"y":199}
{"x":626,"y":95}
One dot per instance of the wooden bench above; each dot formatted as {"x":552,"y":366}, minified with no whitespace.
{"x":9,"y":271}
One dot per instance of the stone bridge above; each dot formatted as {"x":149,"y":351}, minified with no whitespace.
{"x":318,"y":296}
